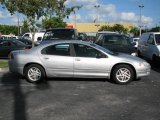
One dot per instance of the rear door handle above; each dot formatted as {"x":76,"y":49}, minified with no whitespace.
{"x":77,"y":59}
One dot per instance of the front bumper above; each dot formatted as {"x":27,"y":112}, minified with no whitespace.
{"x":144,"y":72}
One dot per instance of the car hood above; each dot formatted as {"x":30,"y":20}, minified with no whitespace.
{"x":129,"y":58}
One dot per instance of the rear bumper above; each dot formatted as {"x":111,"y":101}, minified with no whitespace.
{"x":14,"y":68}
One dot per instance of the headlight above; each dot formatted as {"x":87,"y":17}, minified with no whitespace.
{"x":134,"y":54}
{"x":142,"y":64}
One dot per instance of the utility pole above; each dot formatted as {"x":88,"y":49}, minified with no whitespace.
{"x":140,"y":22}
{"x":97,"y":16}
{"x":75,"y":14}
{"x":18,"y":23}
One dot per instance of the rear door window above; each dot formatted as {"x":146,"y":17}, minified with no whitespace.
{"x":59,"y":49}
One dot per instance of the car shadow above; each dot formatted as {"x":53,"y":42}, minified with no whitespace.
{"x":81,"y":79}
{"x":155,"y":66}
{"x":13,"y":84}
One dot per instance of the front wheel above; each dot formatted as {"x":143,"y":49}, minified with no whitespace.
{"x":123,"y":74}
{"x":34,"y":73}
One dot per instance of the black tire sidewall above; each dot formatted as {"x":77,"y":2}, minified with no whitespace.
{"x":36,"y":66}
{"x":119,"y":67}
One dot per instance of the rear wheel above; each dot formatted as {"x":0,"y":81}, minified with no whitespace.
{"x":34,"y":73}
{"x":123,"y":74}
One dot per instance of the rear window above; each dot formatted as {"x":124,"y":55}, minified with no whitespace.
{"x":117,"y":40}
{"x":58,"y":34}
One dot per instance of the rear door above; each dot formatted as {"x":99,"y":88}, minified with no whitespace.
{"x":58,"y":60}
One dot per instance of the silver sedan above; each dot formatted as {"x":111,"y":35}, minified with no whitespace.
{"x":76,"y":59}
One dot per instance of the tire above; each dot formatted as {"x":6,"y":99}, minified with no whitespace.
{"x":34,"y":73}
{"x":123,"y":74}
{"x":155,"y":60}
{"x":139,"y":53}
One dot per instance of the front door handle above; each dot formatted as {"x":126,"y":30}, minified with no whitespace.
{"x":46,"y":58}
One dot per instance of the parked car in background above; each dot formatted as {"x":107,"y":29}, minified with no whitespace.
{"x":26,"y":41}
{"x":149,"y":46}
{"x":8,"y":37}
{"x":76,"y":58}
{"x":37,"y":37}
{"x":117,"y":43}
{"x":83,"y":36}
{"x":104,"y":32}
{"x":59,"y":34}
{"x":6,"y":46}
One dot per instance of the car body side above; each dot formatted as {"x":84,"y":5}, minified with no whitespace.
{"x":20,"y":61}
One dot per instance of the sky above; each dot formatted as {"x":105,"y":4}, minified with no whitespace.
{"x":108,"y":11}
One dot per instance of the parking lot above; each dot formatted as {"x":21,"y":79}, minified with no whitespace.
{"x":79,"y":99}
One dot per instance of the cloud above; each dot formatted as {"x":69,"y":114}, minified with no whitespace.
{"x":1,"y":15}
{"x":106,"y":13}
{"x":132,"y":17}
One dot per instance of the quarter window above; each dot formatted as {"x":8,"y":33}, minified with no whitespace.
{"x":59,"y":49}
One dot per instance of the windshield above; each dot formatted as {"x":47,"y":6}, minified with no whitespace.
{"x":157,"y":38}
{"x":103,"y":49}
{"x":57,"y":34}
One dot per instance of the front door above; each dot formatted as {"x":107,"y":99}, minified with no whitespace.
{"x":89,"y":62}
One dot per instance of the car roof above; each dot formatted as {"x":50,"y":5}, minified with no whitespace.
{"x":67,"y":41}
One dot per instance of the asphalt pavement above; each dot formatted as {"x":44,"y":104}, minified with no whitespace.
{"x":79,"y":99}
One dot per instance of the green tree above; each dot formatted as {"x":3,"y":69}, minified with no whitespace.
{"x":134,"y":31}
{"x":119,"y":28}
{"x":53,"y":23}
{"x":106,"y":28}
{"x":7,"y":29}
{"x":116,"y":28}
{"x":155,"y":29}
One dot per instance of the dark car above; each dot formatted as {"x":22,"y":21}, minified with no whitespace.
{"x":6,"y":46}
{"x":26,"y":41}
{"x":59,"y":34}
{"x":116,"y":43}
